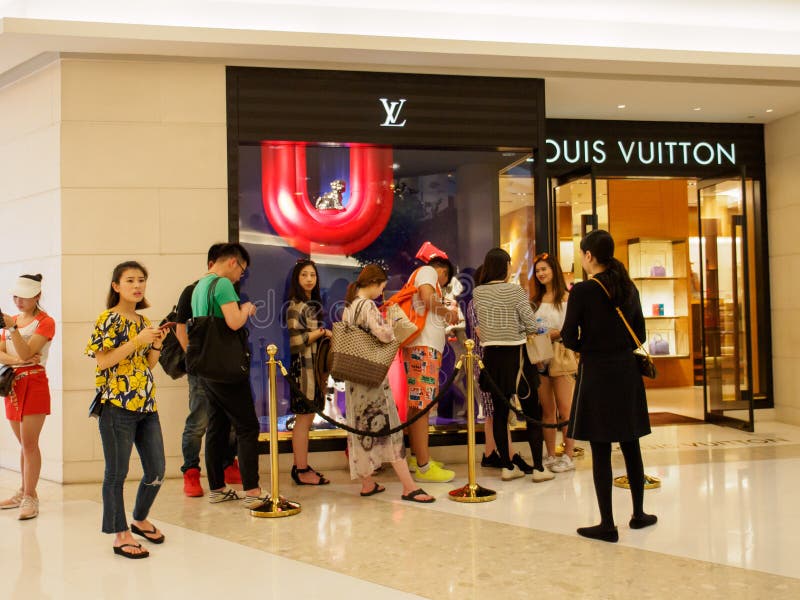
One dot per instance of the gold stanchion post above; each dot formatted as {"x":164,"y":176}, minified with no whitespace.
{"x":276,"y":506}
{"x":471,"y":492}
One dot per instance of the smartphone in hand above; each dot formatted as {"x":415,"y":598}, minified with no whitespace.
{"x":168,"y":325}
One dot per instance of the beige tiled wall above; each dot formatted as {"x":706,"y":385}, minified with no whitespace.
{"x":783,"y":213}
{"x":30,"y":210}
{"x":144,"y":177}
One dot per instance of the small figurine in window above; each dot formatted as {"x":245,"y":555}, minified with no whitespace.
{"x":332,"y":200}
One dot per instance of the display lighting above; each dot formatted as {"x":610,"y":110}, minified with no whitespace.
{"x":293,"y":216}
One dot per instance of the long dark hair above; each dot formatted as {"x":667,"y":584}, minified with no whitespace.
{"x":559,"y":285}
{"x":113,"y":296}
{"x":369,"y":275}
{"x":298,"y":294}
{"x":600,"y":243}
{"x":496,"y":264}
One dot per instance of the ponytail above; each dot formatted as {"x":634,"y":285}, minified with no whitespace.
{"x":352,"y":290}
{"x":600,"y":243}
{"x":619,"y":283}
{"x":369,"y":275}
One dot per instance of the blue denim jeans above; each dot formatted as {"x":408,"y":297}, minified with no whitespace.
{"x":196,"y":426}
{"x":120,"y":430}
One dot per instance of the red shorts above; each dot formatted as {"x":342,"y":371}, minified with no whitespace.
{"x":32,"y":393}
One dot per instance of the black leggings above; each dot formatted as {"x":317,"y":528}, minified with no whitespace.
{"x":601,"y":470}
{"x":530,"y":406}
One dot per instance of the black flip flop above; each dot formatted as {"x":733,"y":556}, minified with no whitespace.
{"x":119,"y":550}
{"x":412,"y":496}
{"x":376,"y":490}
{"x":144,"y":533}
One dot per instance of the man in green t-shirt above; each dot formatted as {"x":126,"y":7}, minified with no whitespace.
{"x":229,"y":403}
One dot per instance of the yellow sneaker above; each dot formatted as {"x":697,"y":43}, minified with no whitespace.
{"x":412,"y":463}
{"x":434,"y":474}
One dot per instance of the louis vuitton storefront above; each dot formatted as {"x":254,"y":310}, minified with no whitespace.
{"x":351,"y":168}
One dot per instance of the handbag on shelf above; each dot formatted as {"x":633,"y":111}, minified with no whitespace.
{"x":357,"y":355}
{"x":658,"y":345}
{"x":646,"y":365}
{"x":6,"y":380}
{"x":658,"y":270}
{"x":539,"y":347}
{"x":564,"y":361}
{"x":215,"y":351}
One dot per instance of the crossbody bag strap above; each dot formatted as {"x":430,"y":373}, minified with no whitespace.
{"x":210,"y":297}
{"x":357,"y":311}
{"x":621,"y":316}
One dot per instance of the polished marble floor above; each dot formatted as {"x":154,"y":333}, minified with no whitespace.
{"x":729,"y":528}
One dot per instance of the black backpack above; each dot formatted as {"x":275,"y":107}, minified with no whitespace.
{"x":172,"y":358}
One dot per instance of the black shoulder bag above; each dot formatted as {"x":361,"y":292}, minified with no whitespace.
{"x":215,"y":351}
{"x":172,"y":357}
{"x":646,"y":365}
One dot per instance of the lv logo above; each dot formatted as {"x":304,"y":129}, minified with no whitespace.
{"x":393,"y":109}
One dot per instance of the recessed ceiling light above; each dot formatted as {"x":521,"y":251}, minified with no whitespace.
{"x":768,"y":110}
{"x":697,"y":108}
{"x":621,"y":105}
{"x":395,"y":166}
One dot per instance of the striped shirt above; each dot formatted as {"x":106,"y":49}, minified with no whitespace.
{"x":504,"y":313}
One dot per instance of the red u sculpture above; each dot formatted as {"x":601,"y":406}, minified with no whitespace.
{"x":293,"y":216}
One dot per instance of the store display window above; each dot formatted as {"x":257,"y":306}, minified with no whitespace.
{"x":348,"y":205}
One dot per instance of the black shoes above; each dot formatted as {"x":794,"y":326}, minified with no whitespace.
{"x":493,"y":461}
{"x":523,"y":466}
{"x":600,"y":532}
{"x":643,"y":520}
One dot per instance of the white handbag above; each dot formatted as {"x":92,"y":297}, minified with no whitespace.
{"x":539,"y":347}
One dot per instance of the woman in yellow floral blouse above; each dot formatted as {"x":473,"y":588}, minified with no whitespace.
{"x":126,"y":346}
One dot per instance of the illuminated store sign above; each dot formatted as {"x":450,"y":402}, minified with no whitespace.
{"x":641,"y":152}
{"x":393,"y":109}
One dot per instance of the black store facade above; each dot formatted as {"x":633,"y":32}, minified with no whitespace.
{"x":353,"y":167}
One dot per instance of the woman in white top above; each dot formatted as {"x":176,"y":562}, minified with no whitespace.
{"x":555,"y":393}
{"x":24,"y":346}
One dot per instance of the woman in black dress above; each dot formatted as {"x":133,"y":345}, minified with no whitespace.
{"x":609,"y":403}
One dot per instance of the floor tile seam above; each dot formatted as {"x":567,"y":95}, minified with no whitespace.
{"x":558,"y":539}
{"x":167,"y":522}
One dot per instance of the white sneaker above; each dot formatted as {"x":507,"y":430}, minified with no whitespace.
{"x":223,"y":495}
{"x":513,"y":473}
{"x":540,"y":476}
{"x":549,"y":461}
{"x":251,"y":502}
{"x":565,"y":463}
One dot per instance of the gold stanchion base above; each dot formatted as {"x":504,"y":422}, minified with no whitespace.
{"x":650,"y":482}
{"x":272,"y":509}
{"x":474,"y":493}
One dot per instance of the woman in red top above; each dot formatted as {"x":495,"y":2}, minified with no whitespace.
{"x":24,"y":345}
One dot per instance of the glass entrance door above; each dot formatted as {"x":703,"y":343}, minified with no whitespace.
{"x":722,"y":253}
{"x":579,"y":204}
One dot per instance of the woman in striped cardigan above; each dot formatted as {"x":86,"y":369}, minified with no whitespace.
{"x":506,"y":318}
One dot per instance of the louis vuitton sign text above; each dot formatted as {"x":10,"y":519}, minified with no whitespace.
{"x":641,"y":152}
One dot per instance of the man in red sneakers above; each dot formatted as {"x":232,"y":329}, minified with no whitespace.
{"x":197,"y":419}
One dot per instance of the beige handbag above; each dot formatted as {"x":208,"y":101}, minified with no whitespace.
{"x":402,"y":326}
{"x":539,"y":348}
{"x":564,"y":361}
{"x":358,"y":356}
